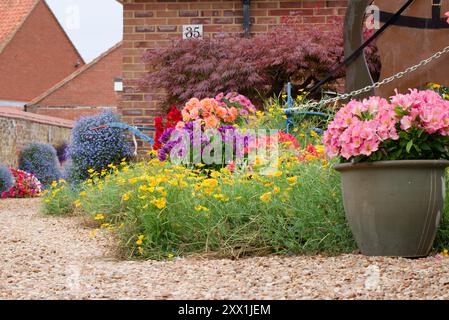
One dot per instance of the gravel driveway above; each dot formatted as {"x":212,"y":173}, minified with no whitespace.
{"x":54,"y":258}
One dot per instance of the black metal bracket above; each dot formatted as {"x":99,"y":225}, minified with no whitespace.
{"x":246,"y":18}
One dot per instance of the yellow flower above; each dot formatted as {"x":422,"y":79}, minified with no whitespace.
{"x":209,"y":183}
{"x":170,"y":255}
{"x":93,"y":233}
{"x":436,"y":86}
{"x":105,"y":225}
{"x":310,"y":157}
{"x":319,"y":148}
{"x":125,"y":197}
{"x":258,"y":161}
{"x":140,"y":239}
{"x":83,"y":193}
{"x":293,"y":179}
{"x":276,"y":189}
{"x":266,"y":197}
{"x":91,"y":171}
{"x":215,"y":174}
{"x":201,"y":208}
{"x":54,"y":184}
{"x":153,"y":153}
{"x":445,"y":253}
{"x":99,"y":216}
{"x":313,"y":134}
{"x":160,"y":203}
{"x":77,"y":203}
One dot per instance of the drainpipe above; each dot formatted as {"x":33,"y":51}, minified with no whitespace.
{"x":246,"y":18}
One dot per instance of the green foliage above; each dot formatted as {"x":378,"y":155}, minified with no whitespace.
{"x":158,"y":211}
{"x":59,"y":199}
{"x":442,"y":239}
{"x":230,"y":220}
{"x":414,"y":144}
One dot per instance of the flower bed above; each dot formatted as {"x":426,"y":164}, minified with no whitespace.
{"x":159,"y":209}
{"x":26,"y":185}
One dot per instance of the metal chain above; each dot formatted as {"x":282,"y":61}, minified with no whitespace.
{"x":376,"y":85}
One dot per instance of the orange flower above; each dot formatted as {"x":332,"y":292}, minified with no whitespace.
{"x":209,"y":105}
{"x":192,"y":103}
{"x":233,"y":113}
{"x":221,"y":112}
{"x":195,"y":113}
{"x":185,"y":116}
{"x":211,"y":122}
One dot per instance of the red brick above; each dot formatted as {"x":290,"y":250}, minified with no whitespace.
{"x":38,"y":55}
{"x":86,"y":92}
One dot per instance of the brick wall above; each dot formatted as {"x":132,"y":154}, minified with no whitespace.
{"x":154,"y":23}
{"x":88,"y":91}
{"x":18,"y":128}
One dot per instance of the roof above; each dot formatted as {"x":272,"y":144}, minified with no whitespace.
{"x":17,"y":113}
{"x":74,"y":75}
{"x":14,"y":13}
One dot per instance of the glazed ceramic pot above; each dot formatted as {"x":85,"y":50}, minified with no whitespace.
{"x":394,"y":208}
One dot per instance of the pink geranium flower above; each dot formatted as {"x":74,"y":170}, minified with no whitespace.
{"x":447,"y":15}
{"x":360,"y":128}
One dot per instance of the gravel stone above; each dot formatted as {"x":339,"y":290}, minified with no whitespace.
{"x":45,"y":257}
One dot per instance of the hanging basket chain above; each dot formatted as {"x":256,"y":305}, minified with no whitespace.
{"x":376,"y":85}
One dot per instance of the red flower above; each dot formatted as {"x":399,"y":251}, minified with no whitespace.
{"x":26,"y":185}
{"x":171,"y":120}
{"x":174,"y":116}
{"x":287,"y":137}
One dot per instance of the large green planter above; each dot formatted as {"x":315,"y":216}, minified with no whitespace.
{"x":394,"y":208}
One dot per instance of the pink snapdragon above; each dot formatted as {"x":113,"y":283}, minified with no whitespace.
{"x":360,"y":128}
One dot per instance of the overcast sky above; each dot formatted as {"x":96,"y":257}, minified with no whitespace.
{"x":93,"y":25}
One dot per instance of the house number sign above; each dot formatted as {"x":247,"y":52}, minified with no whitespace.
{"x":192,"y":31}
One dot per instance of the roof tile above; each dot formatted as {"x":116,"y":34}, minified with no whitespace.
{"x":13,"y":13}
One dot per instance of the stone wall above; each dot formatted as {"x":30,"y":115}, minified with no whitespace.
{"x":18,"y":128}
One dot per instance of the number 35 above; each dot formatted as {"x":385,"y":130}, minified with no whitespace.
{"x":192,"y":32}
